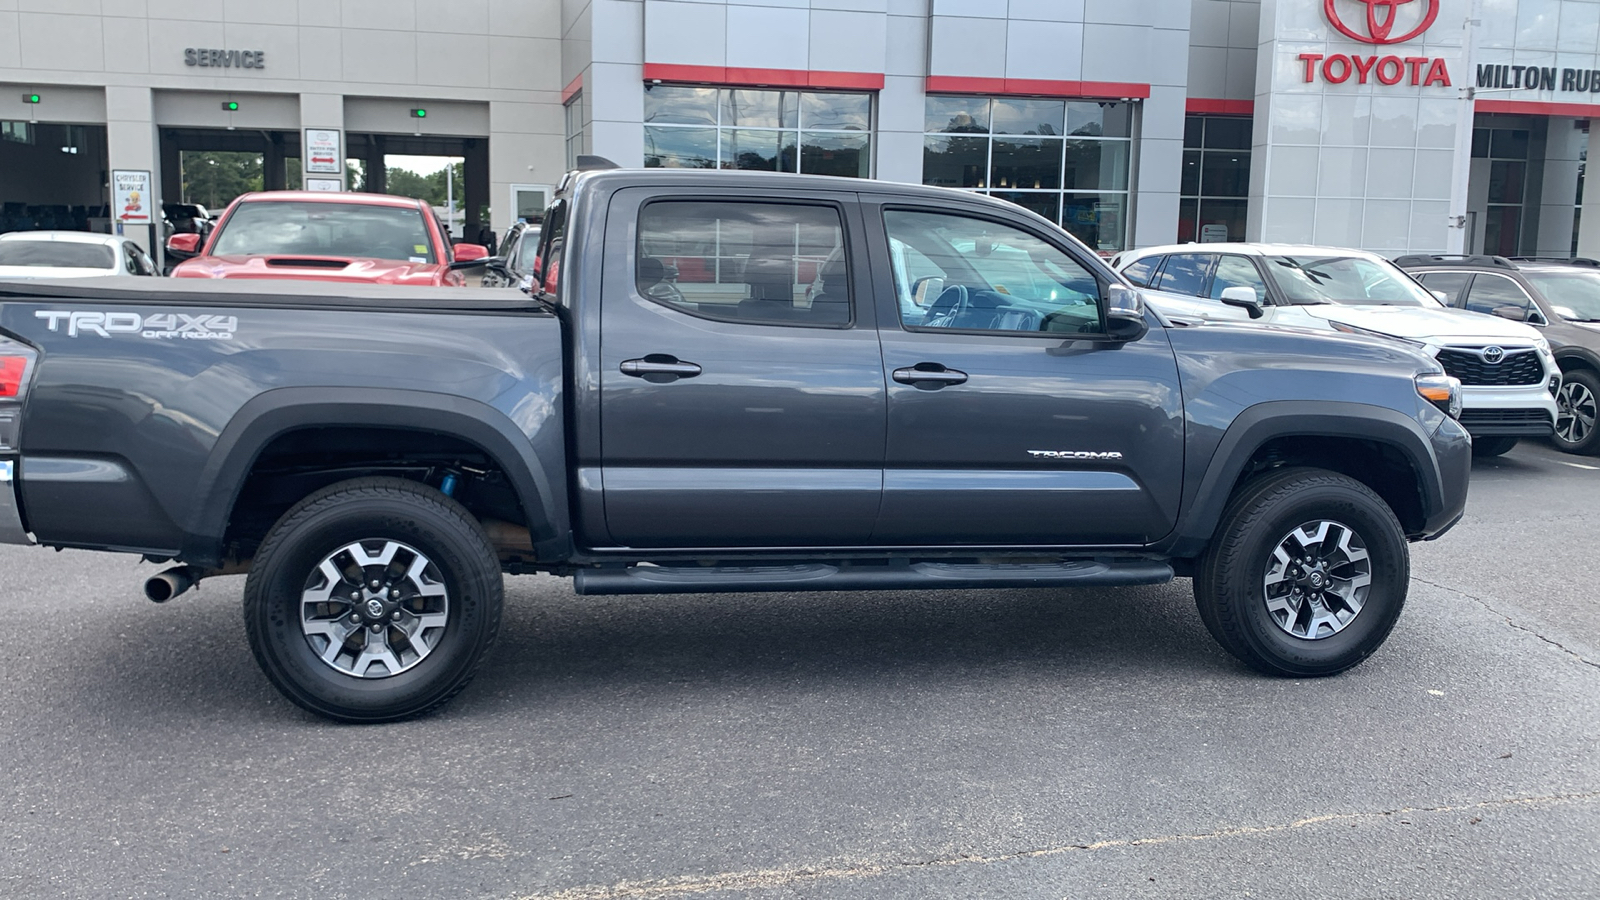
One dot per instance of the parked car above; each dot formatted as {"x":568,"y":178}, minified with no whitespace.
{"x":316,"y":236}
{"x":519,"y":254}
{"x":70,"y":254}
{"x":1559,"y":297}
{"x":375,"y":458}
{"x":1507,"y":370}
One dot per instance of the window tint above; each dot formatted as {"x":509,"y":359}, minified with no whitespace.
{"x":57,"y":254}
{"x":991,"y":277}
{"x":1185,"y":273}
{"x":1491,"y":293}
{"x":276,"y":227}
{"x":764,"y":263}
{"x":1447,"y":283}
{"x":1139,"y":273}
{"x":1237,"y":271}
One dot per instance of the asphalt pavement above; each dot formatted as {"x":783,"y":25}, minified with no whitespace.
{"x":1009,"y":744}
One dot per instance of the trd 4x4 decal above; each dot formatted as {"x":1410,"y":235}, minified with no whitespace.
{"x":160,"y":326}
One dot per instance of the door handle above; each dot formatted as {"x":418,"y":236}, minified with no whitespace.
{"x":659,"y":368}
{"x":929,"y":376}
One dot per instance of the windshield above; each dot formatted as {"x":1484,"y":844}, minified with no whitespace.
{"x":1347,"y":280}
{"x":1578,"y":292}
{"x":57,"y":254}
{"x":288,"y":228}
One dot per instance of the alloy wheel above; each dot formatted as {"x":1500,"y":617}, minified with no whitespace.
{"x":1576,"y":412}
{"x":1317,"y":579}
{"x":374,"y":608}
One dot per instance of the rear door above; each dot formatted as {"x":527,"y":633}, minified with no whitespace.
{"x":1013,"y":420}
{"x":742,"y":397}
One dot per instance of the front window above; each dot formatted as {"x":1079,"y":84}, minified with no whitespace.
{"x":288,"y":228}
{"x":811,"y":132}
{"x":1346,"y":280}
{"x":1068,"y":161}
{"x":57,"y":255}
{"x":976,"y":275}
{"x":1575,"y":296}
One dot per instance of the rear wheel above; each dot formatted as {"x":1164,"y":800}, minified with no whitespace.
{"x":1306,"y":576}
{"x":373,"y":600}
{"x":1486,"y":447}
{"x":1578,"y":413}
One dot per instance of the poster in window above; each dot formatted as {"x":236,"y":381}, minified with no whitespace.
{"x":130,"y":197}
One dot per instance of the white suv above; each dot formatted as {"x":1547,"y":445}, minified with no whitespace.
{"x":1509,"y":377}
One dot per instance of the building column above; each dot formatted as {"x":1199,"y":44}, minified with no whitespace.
{"x":1589,"y":224}
{"x":132,"y":144}
{"x":324,"y":111}
{"x":377,"y":170}
{"x":171,"y":170}
{"x":475,"y":171}
{"x":274,"y":177}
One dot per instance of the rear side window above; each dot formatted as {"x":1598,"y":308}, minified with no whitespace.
{"x":1139,"y":273}
{"x":1186,"y":273}
{"x":761,"y":263}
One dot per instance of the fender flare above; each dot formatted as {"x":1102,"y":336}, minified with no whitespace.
{"x":275,"y":413}
{"x":1205,"y":502}
{"x":1582,"y":355}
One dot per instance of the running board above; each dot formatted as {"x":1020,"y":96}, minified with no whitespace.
{"x":903,"y":576}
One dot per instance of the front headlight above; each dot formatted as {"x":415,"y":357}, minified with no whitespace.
{"x":1543,"y":346}
{"x":1442,"y":391}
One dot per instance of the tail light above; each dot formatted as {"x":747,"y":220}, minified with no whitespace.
{"x":16,"y":365}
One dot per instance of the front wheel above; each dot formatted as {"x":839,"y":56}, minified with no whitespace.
{"x":373,"y":600}
{"x":1578,"y":413}
{"x":1306,"y":576}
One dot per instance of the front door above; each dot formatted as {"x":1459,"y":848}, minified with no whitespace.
{"x":1013,"y":418}
{"x":742,"y":389}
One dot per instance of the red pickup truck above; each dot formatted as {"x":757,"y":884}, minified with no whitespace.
{"x":316,"y":236}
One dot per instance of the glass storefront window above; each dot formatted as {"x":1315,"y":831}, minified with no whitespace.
{"x":1215,"y":183}
{"x":812,"y":132}
{"x":1012,"y":148}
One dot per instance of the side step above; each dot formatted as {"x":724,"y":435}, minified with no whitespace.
{"x":1106,"y":572}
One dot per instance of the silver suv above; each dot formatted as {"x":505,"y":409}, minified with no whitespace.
{"x":1508,"y":375}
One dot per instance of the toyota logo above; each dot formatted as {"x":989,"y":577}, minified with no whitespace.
{"x":375,"y":608}
{"x":1381,"y":21}
{"x":1493,"y":355}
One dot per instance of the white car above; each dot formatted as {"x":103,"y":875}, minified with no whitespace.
{"x":1508,"y":375}
{"x":70,"y":254}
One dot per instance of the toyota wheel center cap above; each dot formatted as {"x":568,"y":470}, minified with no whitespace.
{"x":375,"y":609}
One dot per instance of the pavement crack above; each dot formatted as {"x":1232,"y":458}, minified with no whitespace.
{"x":759,"y":879}
{"x":1512,"y":622}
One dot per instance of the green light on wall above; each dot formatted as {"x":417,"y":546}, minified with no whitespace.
{"x":419,"y":114}
{"x":231,"y":106}
{"x":30,"y":98}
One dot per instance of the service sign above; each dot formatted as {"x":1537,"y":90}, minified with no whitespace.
{"x":323,"y":153}
{"x":131,"y":200}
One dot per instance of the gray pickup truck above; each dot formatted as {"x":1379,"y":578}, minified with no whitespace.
{"x":725,"y":382}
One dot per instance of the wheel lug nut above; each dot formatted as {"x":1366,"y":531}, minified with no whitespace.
{"x":394,"y":594}
{"x":376,"y":627}
{"x":395,"y":615}
{"x":355,"y":595}
{"x":355,"y":620}
{"x":376,"y":584}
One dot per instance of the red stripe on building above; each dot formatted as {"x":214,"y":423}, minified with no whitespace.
{"x":572,"y":88}
{"x":734,"y":75}
{"x":1202,"y":107}
{"x":1535,"y":108}
{"x":1030,"y":87}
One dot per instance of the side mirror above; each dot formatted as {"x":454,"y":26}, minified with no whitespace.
{"x":1245,"y":298}
{"x":184,"y":246}
{"x":473,"y":253}
{"x":1441,"y":296}
{"x":927,"y":290}
{"x":1125,"y":314}
{"x":1514,"y":313}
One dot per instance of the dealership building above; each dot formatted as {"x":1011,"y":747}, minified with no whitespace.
{"x":1391,"y":125}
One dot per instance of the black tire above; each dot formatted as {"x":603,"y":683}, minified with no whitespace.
{"x":1230,"y":582}
{"x":374,"y":514}
{"x":1578,"y":413}
{"x":1487,"y":447}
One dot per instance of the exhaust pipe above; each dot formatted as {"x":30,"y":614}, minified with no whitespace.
{"x":171,"y":583}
